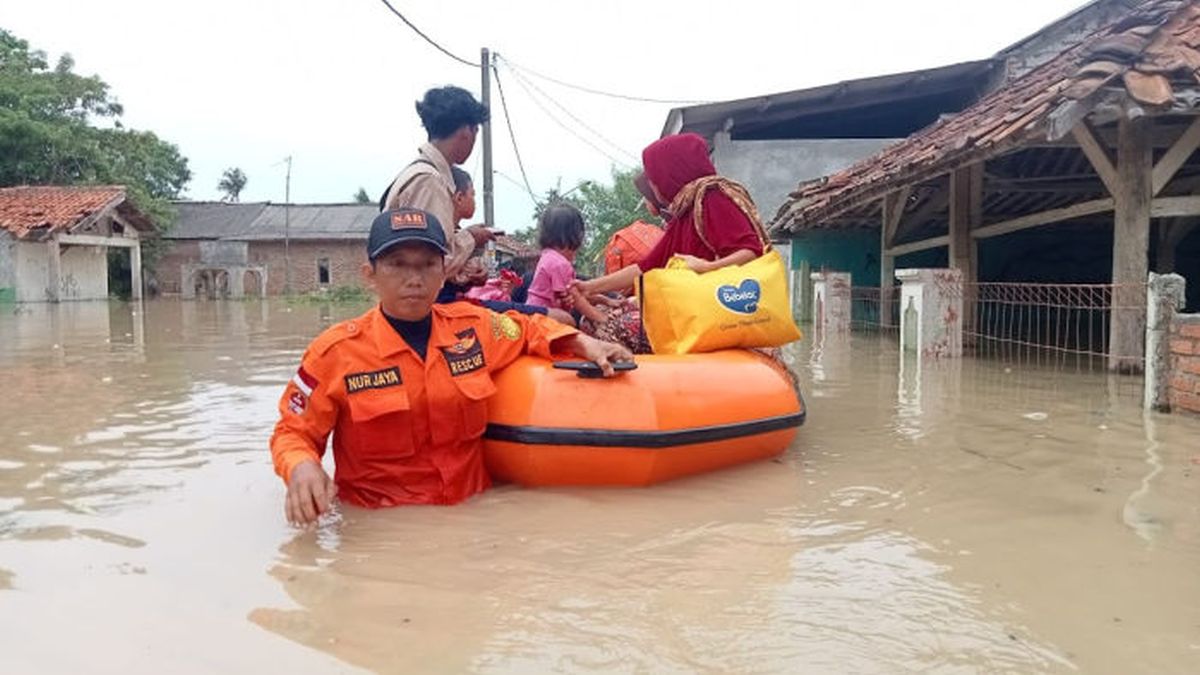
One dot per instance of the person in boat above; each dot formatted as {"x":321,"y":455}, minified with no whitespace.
{"x":561,"y":230}
{"x":451,"y":117}
{"x":710,"y":220}
{"x":404,"y":387}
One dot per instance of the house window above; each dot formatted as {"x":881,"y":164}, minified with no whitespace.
{"x":323,"y":271}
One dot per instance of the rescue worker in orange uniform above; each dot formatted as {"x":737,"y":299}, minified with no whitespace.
{"x":404,"y":387}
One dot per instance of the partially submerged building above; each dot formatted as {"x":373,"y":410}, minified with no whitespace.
{"x":1081,"y":167}
{"x":55,"y":242}
{"x":774,"y":142}
{"x":220,"y":249}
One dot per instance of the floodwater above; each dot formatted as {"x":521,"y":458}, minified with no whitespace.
{"x":961,"y":517}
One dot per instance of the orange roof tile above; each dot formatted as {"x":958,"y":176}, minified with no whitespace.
{"x":27,"y":210}
{"x":1144,"y":56}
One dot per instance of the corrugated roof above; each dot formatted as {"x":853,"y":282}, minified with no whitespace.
{"x":29,"y":212}
{"x":265,"y":221}
{"x":314,"y":221}
{"x":708,"y":118}
{"x":213,"y":220}
{"x":1141,"y":56}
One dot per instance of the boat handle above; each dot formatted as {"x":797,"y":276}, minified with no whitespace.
{"x":589,"y":369}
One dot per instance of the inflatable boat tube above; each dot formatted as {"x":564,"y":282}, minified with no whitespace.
{"x":673,"y":416}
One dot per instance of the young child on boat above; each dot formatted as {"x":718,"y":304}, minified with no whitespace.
{"x":560,"y":234}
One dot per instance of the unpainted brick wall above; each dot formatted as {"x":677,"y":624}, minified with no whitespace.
{"x":345,"y":262}
{"x":1185,"y":363}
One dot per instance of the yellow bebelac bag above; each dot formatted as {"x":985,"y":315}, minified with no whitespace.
{"x":737,"y":306}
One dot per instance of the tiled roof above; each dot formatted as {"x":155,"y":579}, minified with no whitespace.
{"x":515,"y":247}
{"x":30,"y":211}
{"x":1144,"y":57}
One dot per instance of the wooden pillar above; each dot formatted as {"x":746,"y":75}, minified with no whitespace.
{"x":54,"y":267}
{"x":894,"y":205}
{"x":1131,"y":244}
{"x":135,"y":269}
{"x":887,"y":264}
{"x":966,"y":214}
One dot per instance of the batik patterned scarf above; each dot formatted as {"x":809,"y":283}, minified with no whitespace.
{"x":691,"y":198}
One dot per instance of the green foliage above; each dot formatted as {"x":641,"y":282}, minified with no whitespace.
{"x":232,"y":182}
{"x":606,"y":208}
{"x":361,"y":197}
{"x":341,"y":295}
{"x":61,"y":128}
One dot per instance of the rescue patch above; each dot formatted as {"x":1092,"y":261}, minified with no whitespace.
{"x":297,"y":403}
{"x":375,"y":379}
{"x":505,"y":327}
{"x":466,"y":355}
{"x":407,"y":220}
{"x":467,"y":340}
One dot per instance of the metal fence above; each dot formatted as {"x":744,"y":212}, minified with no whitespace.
{"x":1062,"y":325}
{"x":875,"y":310}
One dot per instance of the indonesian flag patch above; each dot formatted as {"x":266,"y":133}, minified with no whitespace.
{"x":304,"y":382}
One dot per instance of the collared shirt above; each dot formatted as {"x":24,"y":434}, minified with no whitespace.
{"x":428,"y":184}
{"x":405,"y":430}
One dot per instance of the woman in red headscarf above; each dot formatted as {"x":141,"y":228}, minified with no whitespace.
{"x":711,"y":221}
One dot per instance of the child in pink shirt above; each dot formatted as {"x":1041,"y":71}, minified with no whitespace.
{"x":560,"y":234}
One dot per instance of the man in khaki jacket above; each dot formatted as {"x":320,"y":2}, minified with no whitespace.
{"x":451,"y":116}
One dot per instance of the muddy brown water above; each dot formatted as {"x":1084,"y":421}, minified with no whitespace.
{"x":955,"y":517}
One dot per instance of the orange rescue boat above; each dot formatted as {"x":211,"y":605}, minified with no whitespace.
{"x":673,"y":416}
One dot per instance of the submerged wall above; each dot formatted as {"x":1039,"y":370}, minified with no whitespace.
{"x":8,"y":272}
{"x":84,"y":272}
{"x":1184,"y":381}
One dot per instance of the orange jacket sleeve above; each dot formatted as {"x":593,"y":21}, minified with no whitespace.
{"x":306,"y":417}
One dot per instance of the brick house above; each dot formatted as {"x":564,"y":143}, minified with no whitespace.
{"x":219,"y":249}
{"x":55,"y":241}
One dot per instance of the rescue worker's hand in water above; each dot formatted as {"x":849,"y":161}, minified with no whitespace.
{"x":601,"y":353}
{"x":310,"y":493}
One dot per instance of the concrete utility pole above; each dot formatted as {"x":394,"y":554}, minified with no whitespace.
{"x":489,"y":206}
{"x":287,"y":228}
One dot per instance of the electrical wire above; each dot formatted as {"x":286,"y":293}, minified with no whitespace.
{"x":568,"y":113}
{"x":428,"y":39}
{"x":515,"y":182}
{"x":512,"y":136}
{"x":600,"y":92}
{"x":568,"y":129}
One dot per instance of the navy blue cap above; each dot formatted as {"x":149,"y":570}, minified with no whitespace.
{"x":400,"y":225}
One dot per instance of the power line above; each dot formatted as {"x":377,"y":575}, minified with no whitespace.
{"x":515,"y":182}
{"x":600,"y":92}
{"x":568,"y":129}
{"x":428,"y":39}
{"x":512,"y":136}
{"x":568,"y":113}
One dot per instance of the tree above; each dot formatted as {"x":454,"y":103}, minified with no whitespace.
{"x":361,"y":197}
{"x":233,"y":181}
{"x":606,"y":209}
{"x":49,"y":134}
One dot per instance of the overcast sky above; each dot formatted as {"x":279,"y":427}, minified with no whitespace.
{"x":248,"y":82}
